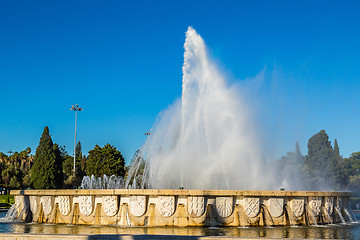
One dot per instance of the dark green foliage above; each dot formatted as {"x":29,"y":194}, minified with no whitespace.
{"x":78,"y":161}
{"x":105,"y":160}
{"x":12,"y":176}
{"x":4,"y":157}
{"x":68,"y":162}
{"x":22,"y":160}
{"x":351,"y":170}
{"x":322,"y":164}
{"x":336,"y":149}
{"x":47,"y":172}
{"x":68,"y":167}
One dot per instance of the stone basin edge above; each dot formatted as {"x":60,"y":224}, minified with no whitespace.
{"x":172,"y":192}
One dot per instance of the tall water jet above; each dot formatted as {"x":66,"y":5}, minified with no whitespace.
{"x":206,"y":139}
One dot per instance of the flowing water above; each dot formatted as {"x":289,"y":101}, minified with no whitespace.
{"x":112,"y":182}
{"x":338,"y":211}
{"x":328,"y":218}
{"x":350,"y":215}
{"x":10,"y":215}
{"x":335,"y":231}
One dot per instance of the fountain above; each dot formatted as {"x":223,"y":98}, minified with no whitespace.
{"x":195,"y":169}
{"x":112,"y":182}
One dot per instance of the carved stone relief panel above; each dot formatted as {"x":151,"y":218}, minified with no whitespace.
{"x":64,"y":205}
{"x":297,"y":206}
{"x":46,"y":202}
{"x":137,"y":205}
{"x":251,"y":206}
{"x":33,"y":204}
{"x":110,"y":205}
{"x":20,"y":202}
{"x":86,"y":205}
{"x":315,"y":205}
{"x":196,"y":206}
{"x":166,"y":205}
{"x":224,"y":206}
{"x":276,"y":206}
{"x":329,"y":204}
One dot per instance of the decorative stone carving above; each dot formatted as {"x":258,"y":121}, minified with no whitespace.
{"x":224,"y":206}
{"x":166,"y":205}
{"x":297,"y":206}
{"x":64,"y":205}
{"x":47,"y":204}
{"x":315,"y":205}
{"x":110,"y":205}
{"x":33,"y":204}
{"x":19,"y":201}
{"x":251,"y":206}
{"x":196,"y":206}
{"x":86,"y":205}
{"x":339,"y":202}
{"x":329,"y":204}
{"x":137,"y":205}
{"x":276,"y":206}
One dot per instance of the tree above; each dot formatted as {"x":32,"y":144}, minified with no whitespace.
{"x":320,"y":163}
{"x":351,"y":170}
{"x":336,"y":149}
{"x":105,"y":160}
{"x":68,"y":162}
{"x":12,"y":176}
{"x":68,"y":167}
{"x":47,"y":171}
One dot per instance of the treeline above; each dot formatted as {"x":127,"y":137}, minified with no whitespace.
{"x":52,"y":167}
{"x":323,"y":168}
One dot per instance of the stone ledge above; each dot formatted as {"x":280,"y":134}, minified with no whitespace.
{"x":172,"y":192}
{"x":182,"y":208}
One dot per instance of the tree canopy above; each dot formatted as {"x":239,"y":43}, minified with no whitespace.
{"x":320,"y":163}
{"x":47,"y":169}
{"x":105,"y":160}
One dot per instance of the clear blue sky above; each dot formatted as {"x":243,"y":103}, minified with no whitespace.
{"x":121,"y":61}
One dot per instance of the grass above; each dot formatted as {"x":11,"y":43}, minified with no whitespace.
{"x":6,"y":201}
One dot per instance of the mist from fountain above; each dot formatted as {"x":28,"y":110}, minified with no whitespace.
{"x":206,"y":139}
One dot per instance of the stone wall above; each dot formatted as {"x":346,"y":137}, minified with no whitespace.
{"x":152,"y":207}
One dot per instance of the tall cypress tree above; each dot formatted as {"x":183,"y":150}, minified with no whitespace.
{"x":79,"y":171}
{"x":336,"y":149}
{"x":320,"y":161}
{"x":47,"y":168}
{"x":338,"y":167}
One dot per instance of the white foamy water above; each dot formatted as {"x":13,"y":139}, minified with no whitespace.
{"x":206,"y":139}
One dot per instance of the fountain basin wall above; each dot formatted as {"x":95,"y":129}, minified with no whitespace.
{"x":163,"y":207}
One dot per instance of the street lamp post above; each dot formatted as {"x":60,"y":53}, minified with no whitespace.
{"x":75,"y":108}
